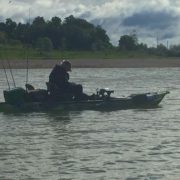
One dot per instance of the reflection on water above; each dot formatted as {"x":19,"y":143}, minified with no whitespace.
{"x":126,"y":144}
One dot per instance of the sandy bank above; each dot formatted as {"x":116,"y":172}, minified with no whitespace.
{"x":98,"y":63}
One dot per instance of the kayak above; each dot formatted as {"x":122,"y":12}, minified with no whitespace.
{"x":19,"y":99}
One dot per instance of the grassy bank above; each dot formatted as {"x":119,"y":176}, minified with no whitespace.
{"x":18,"y":55}
{"x":19,"y":52}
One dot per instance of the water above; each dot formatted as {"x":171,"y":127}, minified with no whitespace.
{"x":88,"y":145}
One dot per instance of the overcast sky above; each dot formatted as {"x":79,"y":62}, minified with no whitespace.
{"x":150,"y":19}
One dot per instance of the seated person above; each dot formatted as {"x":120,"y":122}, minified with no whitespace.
{"x":60,"y":85}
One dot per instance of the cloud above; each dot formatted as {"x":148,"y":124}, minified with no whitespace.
{"x":151,"y":20}
{"x":118,"y":17}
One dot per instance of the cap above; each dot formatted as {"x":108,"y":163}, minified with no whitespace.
{"x":66,"y":64}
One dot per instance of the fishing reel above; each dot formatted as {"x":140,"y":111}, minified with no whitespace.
{"x":104,"y":93}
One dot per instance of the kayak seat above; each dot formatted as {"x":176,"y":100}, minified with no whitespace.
{"x":37,"y":95}
{"x":57,"y":93}
{"x":29,"y":87}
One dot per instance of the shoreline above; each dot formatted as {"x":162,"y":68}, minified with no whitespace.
{"x":96,"y":63}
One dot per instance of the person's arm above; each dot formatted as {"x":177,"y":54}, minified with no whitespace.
{"x":67,"y":77}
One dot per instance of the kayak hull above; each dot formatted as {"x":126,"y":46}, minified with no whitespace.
{"x":146,"y":100}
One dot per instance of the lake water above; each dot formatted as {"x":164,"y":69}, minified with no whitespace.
{"x":141,"y":144}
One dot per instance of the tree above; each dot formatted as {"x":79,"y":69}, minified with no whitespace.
{"x":56,"y":21}
{"x":2,"y":27}
{"x":127,"y":42}
{"x":38,"y":21}
{"x":55,"y":32}
{"x":174,"y":50}
{"x":44,"y":45}
{"x":10,"y":28}
{"x":37,"y":29}
{"x":23,"y":33}
{"x":81,"y":35}
{"x":3,"y":37}
{"x":71,"y":34}
{"x":101,"y":39}
{"x":142,"y":47}
{"x":161,"y":50}
{"x":74,"y":39}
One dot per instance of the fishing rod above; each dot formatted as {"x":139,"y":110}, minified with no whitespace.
{"x":5,"y":72}
{"x":27,"y":57}
{"x":4,"y":68}
{"x":27,"y":68}
{"x":10,"y":69}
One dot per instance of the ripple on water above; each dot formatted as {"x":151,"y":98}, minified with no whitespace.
{"x":128,"y":144}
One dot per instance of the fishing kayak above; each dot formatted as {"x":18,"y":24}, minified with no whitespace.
{"x":18,"y":99}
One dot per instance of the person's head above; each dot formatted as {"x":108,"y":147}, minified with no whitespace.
{"x":66,"y":65}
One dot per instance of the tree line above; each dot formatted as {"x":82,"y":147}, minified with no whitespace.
{"x":72,"y":34}
{"x":130,"y":42}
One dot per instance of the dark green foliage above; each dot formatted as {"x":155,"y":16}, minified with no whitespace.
{"x":10,"y":28}
{"x":142,"y":47}
{"x":44,"y":45}
{"x":37,"y":29}
{"x":3,"y":37}
{"x":127,"y":42}
{"x":161,"y":50}
{"x":81,"y":35}
{"x":54,"y":31}
{"x":72,"y":34}
{"x":174,"y":50}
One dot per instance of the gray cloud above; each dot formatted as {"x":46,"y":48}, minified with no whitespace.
{"x":118,"y":17}
{"x":151,"y":20}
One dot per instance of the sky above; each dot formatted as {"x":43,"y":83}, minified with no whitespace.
{"x":153,"y":21}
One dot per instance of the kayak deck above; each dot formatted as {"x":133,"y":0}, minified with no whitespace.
{"x":146,"y":100}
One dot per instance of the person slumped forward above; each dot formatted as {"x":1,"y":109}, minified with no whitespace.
{"x":59,"y":85}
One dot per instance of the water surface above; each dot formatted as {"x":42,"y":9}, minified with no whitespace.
{"x":81,"y":145}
